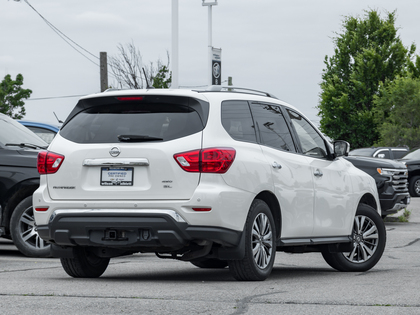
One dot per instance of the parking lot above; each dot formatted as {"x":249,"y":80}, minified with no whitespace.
{"x":143,"y":284}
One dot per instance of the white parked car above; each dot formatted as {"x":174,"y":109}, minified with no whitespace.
{"x":219,"y":177}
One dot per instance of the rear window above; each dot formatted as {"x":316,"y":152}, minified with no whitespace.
{"x":133,"y":121}
{"x":361,"y":152}
{"x":14,"y":134}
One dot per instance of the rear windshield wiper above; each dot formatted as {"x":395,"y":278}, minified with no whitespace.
{"x":25,"y":145}
{"x":137,"y":138}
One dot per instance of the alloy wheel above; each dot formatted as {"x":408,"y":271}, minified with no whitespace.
{"x":417,"y":187}
{"x":262,"y":241}
{"x":365,"y":240}
{"x":27,"y":230}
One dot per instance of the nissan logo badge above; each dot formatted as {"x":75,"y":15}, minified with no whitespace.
{"x":115,"y":151}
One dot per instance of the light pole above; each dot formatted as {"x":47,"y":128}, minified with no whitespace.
{"x":175,"y":83}
{"x":210,"y":46}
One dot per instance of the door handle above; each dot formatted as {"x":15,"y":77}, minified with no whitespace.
{"x":318,"y":173}
{"x":276,"y":165}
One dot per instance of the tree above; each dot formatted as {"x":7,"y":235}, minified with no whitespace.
{"x":397,"y":113}
{"x":367,"y":52}
{"x":129,"y":71}
{"x":12,"y":95}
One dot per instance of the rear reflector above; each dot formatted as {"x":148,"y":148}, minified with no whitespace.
{"x":210,"y":160}
{"x":49,"y":162}
{"x":201,"y":209}
{"x":41,"y":209}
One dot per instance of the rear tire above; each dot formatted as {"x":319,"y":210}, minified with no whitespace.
{"x":369,"y":238}
{"x":211,"y":263}
{"x":85,"y":264}
{"x":260,"y":245}
{"x":24,"y":235}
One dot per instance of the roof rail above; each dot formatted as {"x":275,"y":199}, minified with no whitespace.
{"x":229,"y":88}
{"x":112,"y":89}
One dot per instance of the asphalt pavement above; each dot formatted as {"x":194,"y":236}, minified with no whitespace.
{"x":413,"y":207}
{"x":144,"y":284}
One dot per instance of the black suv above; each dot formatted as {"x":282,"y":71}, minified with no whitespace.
{"x":19,"y":178}
{"x":412,"y":161}
{"x":392,"y":153}
{"x":391,"y":180}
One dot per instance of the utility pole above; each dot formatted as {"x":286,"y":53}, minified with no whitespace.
{"x":104,"y":70}
{"x":175,"y":83}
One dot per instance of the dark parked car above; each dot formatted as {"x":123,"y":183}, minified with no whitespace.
{"x":19,"y":178}
{"x":392,"y":153}
{"x":412,"y":160}
{"x":391,"y":180}
{"x":45,"y":131}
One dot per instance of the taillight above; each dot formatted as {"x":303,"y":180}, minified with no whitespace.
{"x":49,"y":162}
{"x":211,"y":160}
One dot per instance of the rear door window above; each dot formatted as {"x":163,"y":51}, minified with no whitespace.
{"x":133,"y":122}
{"x":272,"y":127}
{"x":398,"y":154}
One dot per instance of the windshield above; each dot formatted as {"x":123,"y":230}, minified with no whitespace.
{"x":415,"y":155}
{"x":12,"y":132}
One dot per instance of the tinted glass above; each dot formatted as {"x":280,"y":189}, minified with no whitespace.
{"x":398,"y":154}
{"x":12,"y":132}
{"x":382,"y":154}
{"x":103,"y":124}
{"x":237,"y":120}
{"x":361,"y":152}
{"x":272,"y":126}
{"x":45,"y":134}
{"x":310,"y":140}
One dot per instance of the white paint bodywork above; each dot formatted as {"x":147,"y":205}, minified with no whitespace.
{"x":310,"y":206}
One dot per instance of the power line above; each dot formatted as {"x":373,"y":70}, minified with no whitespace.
{"x":64,"y":36}
{"x":54,"y":97}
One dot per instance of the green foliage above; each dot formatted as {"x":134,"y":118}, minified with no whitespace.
{"x":397,"y":113}
{"x":12,"y":95}
{"x":405,"y":216}
{"x":367,"y":52}
{"x":163,"y":78}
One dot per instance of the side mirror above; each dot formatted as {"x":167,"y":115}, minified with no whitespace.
{"x":341,"y":148}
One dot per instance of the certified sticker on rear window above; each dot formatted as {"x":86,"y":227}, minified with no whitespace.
{"x":117,"y":176}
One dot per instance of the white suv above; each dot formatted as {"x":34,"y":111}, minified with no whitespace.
{"x":219,"y":177}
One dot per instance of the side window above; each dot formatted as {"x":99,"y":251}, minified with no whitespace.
{"x":382,"y":154}
{"x":398,"y":154}
{"x":310,"y":140}
{"x":237,"y":120}
{"x":272,"y":126}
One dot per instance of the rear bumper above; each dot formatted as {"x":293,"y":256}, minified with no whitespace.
{"x":146,"y":231}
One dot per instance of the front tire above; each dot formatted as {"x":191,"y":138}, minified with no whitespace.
{"x":368,"y":237}
{"x":24,"y":235}
{"x":84,"y":264}
{"x":260,"y":245}
{"x":414,"y":186}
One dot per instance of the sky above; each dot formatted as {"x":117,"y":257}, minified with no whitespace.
{"x":275,"y":46}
